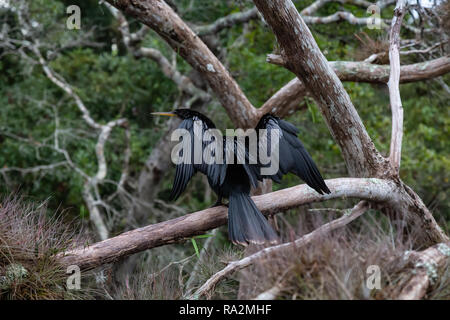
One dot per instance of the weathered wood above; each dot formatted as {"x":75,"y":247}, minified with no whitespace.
{"x":360,"y":71}
{"x":303,"y":57}
{"x":184,"y":227}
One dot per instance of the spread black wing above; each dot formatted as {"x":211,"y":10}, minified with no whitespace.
{"x":293,"y":156}
{"x":188,"y":165}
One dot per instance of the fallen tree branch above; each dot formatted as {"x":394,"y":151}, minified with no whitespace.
{"x":184,"y":227}
{"x":234,"y":266}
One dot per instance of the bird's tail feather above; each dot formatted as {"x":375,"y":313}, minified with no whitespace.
{"x":246,"y":224}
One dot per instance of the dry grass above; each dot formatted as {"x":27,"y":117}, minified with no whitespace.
{"x":336,"y":266}
{"x":333,"y":268}
{"x":163,"y":273}
{"x":145,"y":285}
{"x":29,"y":241}
{"x":368,"y":46}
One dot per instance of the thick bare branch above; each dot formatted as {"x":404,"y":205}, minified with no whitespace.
{"x":316,"y":5}
{"x":287,"y":99}
{"x":189,"y":225}
{"x":362,"y":71}
{"x":373,"y":73}
{"x":303,"y":57}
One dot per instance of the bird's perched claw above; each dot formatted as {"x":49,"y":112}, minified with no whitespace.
{"x":219,"y":203}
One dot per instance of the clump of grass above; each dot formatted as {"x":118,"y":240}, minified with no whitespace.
{"x":337,"y":266}
{"x":227,"y":288}
{"x":29,"y":243}
{"x":165,"y":272}
{"x":368,"y":46}
{"x":147,"y":285}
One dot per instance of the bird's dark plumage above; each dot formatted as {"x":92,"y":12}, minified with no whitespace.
{"x":246,"y":224}
{"x":293,"y":156}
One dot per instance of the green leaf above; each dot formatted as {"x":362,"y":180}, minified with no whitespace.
{"x":311,"y":110}
{"x":202,"y":236}
{"x":194,"y":243}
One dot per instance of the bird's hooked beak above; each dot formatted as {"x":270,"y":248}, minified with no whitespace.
{"x":168,"y":114}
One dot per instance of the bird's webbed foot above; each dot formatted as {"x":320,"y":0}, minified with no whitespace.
{"x":219,"y":203}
